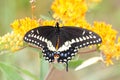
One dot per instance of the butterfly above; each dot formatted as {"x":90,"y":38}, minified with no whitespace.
{"x":60,"y":44}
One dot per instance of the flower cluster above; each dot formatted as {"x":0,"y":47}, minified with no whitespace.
{"x":11,"y":41}
{"x":14,"y":41}
{"x":109,"y":47}
{"x":69,"y":10}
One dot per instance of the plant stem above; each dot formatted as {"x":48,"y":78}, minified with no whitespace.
{"x":49,"y":73}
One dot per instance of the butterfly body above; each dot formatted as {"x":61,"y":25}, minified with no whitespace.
{"x":60,"y":44}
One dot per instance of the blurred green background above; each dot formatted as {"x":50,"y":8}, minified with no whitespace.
{"x":107,"y":11}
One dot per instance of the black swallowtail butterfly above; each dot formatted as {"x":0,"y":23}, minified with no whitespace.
{"x":60,"y":44}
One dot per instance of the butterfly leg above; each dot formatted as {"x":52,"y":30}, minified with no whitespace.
{"x":67,"y":66}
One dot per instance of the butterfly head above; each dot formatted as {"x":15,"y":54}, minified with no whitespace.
{"x":57,"y":28}
{"x":57,"y":24}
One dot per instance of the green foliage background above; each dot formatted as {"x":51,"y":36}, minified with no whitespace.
{"x":28,"y":59}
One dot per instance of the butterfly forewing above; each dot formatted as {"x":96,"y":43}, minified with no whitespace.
{"x":41,"y":36}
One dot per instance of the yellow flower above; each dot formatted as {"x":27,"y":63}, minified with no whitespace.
{"x":21,"y":26}
{"x":66,"y":10}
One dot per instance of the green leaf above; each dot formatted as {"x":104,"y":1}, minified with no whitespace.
{"x":75,"y":63}
{"x":9,"y":72}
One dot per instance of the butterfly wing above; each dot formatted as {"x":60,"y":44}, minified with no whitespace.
{"x":42,"y":36}
{"x":77,"y":37}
